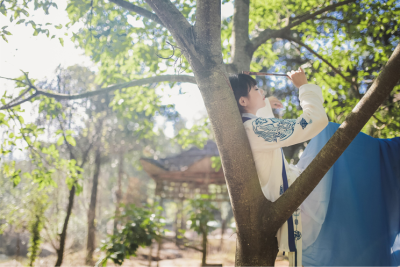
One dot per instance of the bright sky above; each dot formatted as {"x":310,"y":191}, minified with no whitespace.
{"x":40,"y":55}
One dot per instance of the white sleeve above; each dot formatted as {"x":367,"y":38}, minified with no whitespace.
{"x":270,"y":133}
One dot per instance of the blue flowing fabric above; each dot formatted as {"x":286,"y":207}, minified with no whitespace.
{"x":353,"y":215}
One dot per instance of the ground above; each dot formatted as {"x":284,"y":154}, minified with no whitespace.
{"x":170,"y":256}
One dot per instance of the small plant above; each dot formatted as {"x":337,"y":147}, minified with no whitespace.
{"x":201,"y":214}
{"x":138,"y":227}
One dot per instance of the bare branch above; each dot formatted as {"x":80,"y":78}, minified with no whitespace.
{"x":185,"y":245}
{"x":332,"y":18}
{"x":348,"y":130}
{"x":156,"y":79}
{"x":324,"y":60}
{"x":19,"y":97}
{"x":302,"y":19}
{"x":138,"y":10}
{"x":29,"y":84}
{"x":65,"y":139}
{"x":268,"y":33}
{"x":8,"y":106}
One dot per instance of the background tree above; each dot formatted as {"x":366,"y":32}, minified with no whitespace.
{"x":200,"y":215}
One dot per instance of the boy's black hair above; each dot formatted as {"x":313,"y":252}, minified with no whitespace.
{"x":241,"y":86}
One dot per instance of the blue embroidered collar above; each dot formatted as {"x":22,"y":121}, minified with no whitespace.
{"x":249,"y":115}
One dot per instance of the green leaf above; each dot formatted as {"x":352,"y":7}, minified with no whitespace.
{"x":61,"y":41}
{"x":316,"y":64}
{"x":21,"y":119}
{"x":71,"y":140}
{"x":60,"y":141}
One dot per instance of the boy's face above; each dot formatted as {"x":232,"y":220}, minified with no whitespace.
{"x":255,"y":100}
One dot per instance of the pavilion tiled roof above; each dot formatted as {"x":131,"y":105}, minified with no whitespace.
{"x":185,"y":159}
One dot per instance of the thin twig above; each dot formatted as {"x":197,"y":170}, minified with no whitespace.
{"x":320,"y":57}
{"x":173,"y":52}
{"x":268,"y":33}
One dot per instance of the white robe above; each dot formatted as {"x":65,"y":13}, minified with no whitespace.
{"x":267,"y":135}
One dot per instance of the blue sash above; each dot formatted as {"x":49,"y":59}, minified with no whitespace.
{"x":292,"y":246}
{"x":362,"y":204}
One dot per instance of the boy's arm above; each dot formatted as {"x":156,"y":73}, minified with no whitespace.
{"x":270,"y":133}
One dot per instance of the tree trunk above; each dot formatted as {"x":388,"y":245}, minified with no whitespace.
{"x":257,"y":219}
{"x":183,"y":221}
{"x":179,"y":223}
{"x":256,"y":242}
{"x":176,"y":226}
{"x":118,"y":194}
{"x":223,"y":227}
{"x":63,"y":235}
{"x":204,"y":245}
{"x":92,"y":210}
{"x":150,"y":255}
{"x":160,"y":241}
{"x":158,"y":251}
{"x":18,"y":247}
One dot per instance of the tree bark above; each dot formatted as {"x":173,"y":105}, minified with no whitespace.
{"x":256,"y":243}
{"x":92,"y":210}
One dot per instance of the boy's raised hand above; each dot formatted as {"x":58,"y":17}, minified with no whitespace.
{"x":298,"y":77}
{"x":275,"y":103}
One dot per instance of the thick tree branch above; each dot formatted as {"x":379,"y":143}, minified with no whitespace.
{"x":348,"y":130}
{"x":241,"y":48}
{"x":57,"y":96}
{"x":176,"y":23}
{"x":289,"y":38}
{"x":208,"y":32}
{"x":138,"y":10}
{"x":268,"y":33}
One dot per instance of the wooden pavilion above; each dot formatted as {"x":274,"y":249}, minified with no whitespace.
{"x":187,"y":174}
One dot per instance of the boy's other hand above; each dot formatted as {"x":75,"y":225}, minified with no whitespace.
{"x":275,"y":103}
{"x":298,"y":77}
